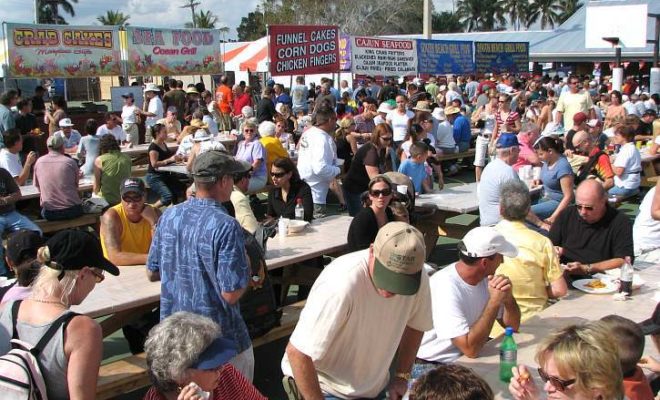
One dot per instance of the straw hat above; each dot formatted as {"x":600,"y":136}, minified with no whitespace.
{"x":422,"y":105}
{"x":191,"y":90}
{"x":197,"y":123}
{"x":451,"y":110}
{"x":439,"y":114}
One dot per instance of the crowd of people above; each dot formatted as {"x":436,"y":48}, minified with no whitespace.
{"x":374,"y":147}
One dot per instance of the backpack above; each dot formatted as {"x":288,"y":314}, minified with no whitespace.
{"x":258,"y":306}
{"x":20,"y":369}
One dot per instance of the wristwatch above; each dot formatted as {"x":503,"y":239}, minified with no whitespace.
{"x":403,"y":375}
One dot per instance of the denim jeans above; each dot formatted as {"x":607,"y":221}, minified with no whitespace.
{"x":622,"y":192}
{"x":11,"y":222}
{"x":545,"y":207}
{"x":353,"y":203}
{"x":63,"y":214}
{"x":158,"y":183}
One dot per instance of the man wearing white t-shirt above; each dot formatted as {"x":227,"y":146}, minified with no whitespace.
{"x":467,"y":298}
{"x":10,"y":159}
{"x":364,"y":308}
{"x":129,"y":118}
{"x":154,"y":110}
{"x":573,"y":102}
{"x":112,"y":127}
{"x":71,"y":136}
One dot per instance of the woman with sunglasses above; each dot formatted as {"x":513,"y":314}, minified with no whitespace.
{"x":252,"y":151}
{"x":576,"y":363}
{"x":288,"y":189}
{"x":507,"y":119}
{"x":371,"y":159}
{"x":484,"y":117}
{"x":364,"y":227}
{"x":72,"y":263}
{"x":163,"y":183}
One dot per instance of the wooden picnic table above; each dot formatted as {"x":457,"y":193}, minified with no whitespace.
{"x":31,"y":191}
{"x":576,"y":307}
{"x":131,"y":294}
{"x":178,"y":168}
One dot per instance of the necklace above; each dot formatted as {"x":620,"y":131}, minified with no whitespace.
{"x":58,"y":302}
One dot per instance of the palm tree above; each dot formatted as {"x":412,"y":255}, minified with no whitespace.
{"x":481,"y":15}
{"x":204,"y":20}
{"x":547,"y":10}
{"x":517,"y":9}
{"x":113,"y":18}
{"x":48,"y":11}
{"x":568,"y":8}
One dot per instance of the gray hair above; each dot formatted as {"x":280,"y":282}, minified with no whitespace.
{"x":249,"y":123}
{"x":529,"y":126}
{"x":514,"y":200}
{"x":175,"y":344}
{"x":247,"y":111}
{"x":501,"y":153}
{"x":267,"y":128}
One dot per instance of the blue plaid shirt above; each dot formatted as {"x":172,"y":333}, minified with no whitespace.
{"x":198,"y":250}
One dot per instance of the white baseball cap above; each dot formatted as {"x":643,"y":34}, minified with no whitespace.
{"x":485,"y":241}
{"x":65,"y":122}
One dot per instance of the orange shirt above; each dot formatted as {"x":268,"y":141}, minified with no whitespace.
{"x":224,"y":98}
{"x":637,"y":387}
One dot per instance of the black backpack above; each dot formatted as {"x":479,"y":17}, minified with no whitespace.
{"x":258,"y":306}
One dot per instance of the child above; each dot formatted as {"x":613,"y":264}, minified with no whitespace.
{"x":630,"y":340}
{"x":415,"y":167}
{"x":451,"y":382}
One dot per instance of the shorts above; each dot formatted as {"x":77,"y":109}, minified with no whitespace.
{"x":481,"y":151}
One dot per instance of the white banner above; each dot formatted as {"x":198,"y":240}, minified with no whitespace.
{"x":387,"y":57}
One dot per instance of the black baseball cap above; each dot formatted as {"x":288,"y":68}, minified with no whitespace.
{"x":212,"y":164}
{"x":132,"y":185}
{"x":652,"y":325}
{"x":74,"y":249}
{"x":23,"y":245}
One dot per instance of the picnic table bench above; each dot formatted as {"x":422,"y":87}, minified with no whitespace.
{"x":455,"y":156}
{"x":92,"y":220}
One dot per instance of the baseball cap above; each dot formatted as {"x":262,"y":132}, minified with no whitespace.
{"x":132,"y":185}
{"x":55,"y":142}
{"x":507,"y":140}
{"x":65,"y":122}
{"x":219,"y":352}
{"x":399,"y":254}
{"x":128,"y":95}
{"x":579,"y":118}
{"x":593,"y":123}
{"x":484,"y":241}
{"x":23,"y":245}
{"x":652,"y":325}
{"x":210,"y":165}
{"x":73,"y":249}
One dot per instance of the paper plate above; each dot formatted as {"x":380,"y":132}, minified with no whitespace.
{"x":610,"y":287}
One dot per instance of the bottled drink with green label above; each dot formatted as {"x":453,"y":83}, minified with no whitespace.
{"x":508,"y":355}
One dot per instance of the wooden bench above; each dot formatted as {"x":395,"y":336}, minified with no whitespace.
{"x":138,"y":171}
{"x":131,"y":373}
{"x":456,"y":156}
{"x":92,"y":220}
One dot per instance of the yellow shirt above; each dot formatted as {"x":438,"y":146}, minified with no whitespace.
{"x":274,"y":150}
{"x":572,"y":103}
{"x":135,"y":237}
{"x":532,"y":271}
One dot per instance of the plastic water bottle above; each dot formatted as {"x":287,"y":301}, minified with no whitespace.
{"x":626,"y":278}
{"x":300,"y":210}
{"x":508,"y":355}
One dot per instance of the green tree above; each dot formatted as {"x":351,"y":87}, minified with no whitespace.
{"x":251,"y":27}
{"x":481,"y":15}
{"x":48,"y":11}
{"x":203,"y":20}
{"x":446,"y":22}
{"x":517,"y":10}
{"x":568,"y":8}
{"x":113,"y":18}
{"x":547,"y":11}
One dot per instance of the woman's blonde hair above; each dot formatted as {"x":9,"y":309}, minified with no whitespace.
{"x":588,"y":353}
{"x":52,"y":280}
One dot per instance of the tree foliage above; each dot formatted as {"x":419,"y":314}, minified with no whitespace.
{"x":48,"y":12}
{"x":446,"y":22}
{"x":203,"y":20}
{"x":113,"y":18}
{"x":481,"y":15}
{"x":545,"y":11}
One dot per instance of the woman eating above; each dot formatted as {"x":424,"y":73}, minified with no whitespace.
{"x":364,"y":227}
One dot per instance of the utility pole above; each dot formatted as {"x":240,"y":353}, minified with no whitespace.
{"x":428,"y":18}
{"x":192,"y":4}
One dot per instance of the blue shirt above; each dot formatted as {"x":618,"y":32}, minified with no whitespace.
{"x":551,"y":177}
{"x":199,"y":251}
{"x":415,"y":171}
{"x":462,"y":132}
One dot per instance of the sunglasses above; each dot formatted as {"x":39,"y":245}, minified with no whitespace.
{"x":248,"y":130}
{"x":378,"y":193}
{"x":98,"y":276}
{"x":132,"y":199}
{"x":278,"y":174}
{"x":583,"y":207}
{"x":559,"y":384}
{"x":386,"y":138}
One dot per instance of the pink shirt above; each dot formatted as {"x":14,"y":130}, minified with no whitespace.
{"x":526,"y":150}
{"x":56,"y":177}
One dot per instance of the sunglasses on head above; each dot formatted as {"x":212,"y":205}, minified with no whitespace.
{"x":559,"y":384}
{"x":378,"y":193}
{"x":278,"y":174}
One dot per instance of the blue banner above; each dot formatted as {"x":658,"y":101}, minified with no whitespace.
{"x":499,"y":57}
{"x":437,"y":57}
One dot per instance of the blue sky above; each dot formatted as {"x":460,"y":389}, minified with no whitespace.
{"x":151,"y":13}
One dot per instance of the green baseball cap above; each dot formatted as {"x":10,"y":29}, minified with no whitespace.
{"x":399,"y":253}
{"x":211,"y":165}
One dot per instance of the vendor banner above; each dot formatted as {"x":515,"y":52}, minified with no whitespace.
{"x":155,"y":51}
{"x":344,"y":52}
{"x":380,"y":56}
{"x":438,"y":57}
{"x":303,"y":49}
{"x":498,"y":57}
{"x":50,"y":51}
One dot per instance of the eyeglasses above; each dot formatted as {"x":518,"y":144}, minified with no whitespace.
{"x":278,"y":174}
{"x":248,"y":130}
{"x":573,"y":83}
{"x":583,"y":207}
{"x":386,"y":138}
{"x":99,"y":277}
{"x":377,"y":193}
{"x":559,"y":384}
